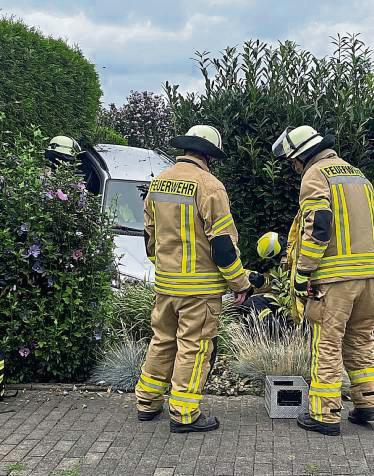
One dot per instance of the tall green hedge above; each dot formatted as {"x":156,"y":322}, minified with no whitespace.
{"x":45,"y":82}
{"x":251,"y":96}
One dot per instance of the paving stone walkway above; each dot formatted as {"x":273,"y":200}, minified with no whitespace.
{"x":79,"y":434}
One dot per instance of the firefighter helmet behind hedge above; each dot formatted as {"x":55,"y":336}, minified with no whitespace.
{"x":64,"y":145}
{"x":269,"y":245}
{"x":293,"y":142}
{"x":203,"y":139}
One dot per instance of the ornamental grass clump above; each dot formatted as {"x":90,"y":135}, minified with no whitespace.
{"x":120,"y":365}
{"x":260,"y":348}
{"x":56,"y":250}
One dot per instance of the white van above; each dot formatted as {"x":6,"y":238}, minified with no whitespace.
{"x":122,"y":175}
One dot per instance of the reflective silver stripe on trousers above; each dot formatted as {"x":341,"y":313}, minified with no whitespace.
{"x":152,"y":385}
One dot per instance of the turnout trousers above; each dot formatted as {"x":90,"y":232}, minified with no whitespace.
{"x":342,"y":322}
{"x":178,"y":357}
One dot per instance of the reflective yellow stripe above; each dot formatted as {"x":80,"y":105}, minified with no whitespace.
{"x":179,"y":403}
{"x":190,"y":292}
{"x":362,"y":380}
{"x":152,"y":259}
{"x":347,"y":234}
{"x":224,"y":226}
{"x":369,"y":196}
{"x":194,"y":370}
{"x":154,"y":381}
{"x":187,"y":286}
{"x":337,"y":219}
{"x":342,"y":271}
{"x":232,"y":267}
{"x":366,"y":258}
{"x":325,"y":394}
{"x":311,"y":204}
{"x":190,"y":275}
{"x":146,"y":388}
{"x":193,"y":281}
{"x":311,"y":244}
{"x":192,"y":396}
{"x":183,"y":238}
{"x":315,"y":351}
{"x":326,"y":385}
{"x":220,"y":221}
{"x":361,"y":376}
{"x":197,"y":383}
{"x":353,"y":373}
{"x":312,"y":254}
{"x":319,"y":413}
{"x":192,"y":237}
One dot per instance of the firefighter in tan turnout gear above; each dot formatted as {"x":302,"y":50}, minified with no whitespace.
{"x":191,"y":237}
{"x":335,"y":273}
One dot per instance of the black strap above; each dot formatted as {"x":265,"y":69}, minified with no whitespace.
{"x":189,"y":161}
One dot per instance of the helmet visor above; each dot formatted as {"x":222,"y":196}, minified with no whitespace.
{"x":278,"y":146}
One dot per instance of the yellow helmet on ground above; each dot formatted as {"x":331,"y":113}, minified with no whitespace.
{"x":269,"y":245}
{"x":64,"y":145}
{"x":294,"y":142}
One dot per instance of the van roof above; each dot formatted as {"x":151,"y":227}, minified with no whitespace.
{"x":132,"y":163}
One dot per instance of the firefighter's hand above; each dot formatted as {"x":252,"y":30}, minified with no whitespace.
{"x":301,"y":285}
{"x":242,"y":296}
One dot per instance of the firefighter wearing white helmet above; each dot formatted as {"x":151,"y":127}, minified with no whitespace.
{"x":191,"y":237}
{"x":333,"y":271}
{"x":62,"y":148}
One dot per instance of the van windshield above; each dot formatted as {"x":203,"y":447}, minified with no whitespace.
{"x":126,"y":200}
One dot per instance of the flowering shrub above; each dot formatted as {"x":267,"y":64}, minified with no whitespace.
{"x":55,"y":256}
{"x":145,"y":120}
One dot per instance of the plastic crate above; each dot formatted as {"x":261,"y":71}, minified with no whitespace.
{"x":286,"y":397}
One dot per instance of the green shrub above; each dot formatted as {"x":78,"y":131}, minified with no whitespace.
{"x":253,"y":95}
{"x":45,"y":82}
{"x":108,"y":135}
{"x":55,"y":255}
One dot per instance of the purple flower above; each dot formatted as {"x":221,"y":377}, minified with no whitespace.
{"x":34,"y":250}
{"x":38,"y":268}
{"x":24,"y":352}
{"x":77,"y":254}
{"x":49,"y":195}
{"x":61,"y":195}
{"x":51,"y":281}
{"x":82,"y":200}
{"x":23,"y":229}
{"x":79,"y":186}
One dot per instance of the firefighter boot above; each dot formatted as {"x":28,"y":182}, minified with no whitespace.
{"x":360,"y":416}
{"x":148,"y":416}
{"x":309,"y":424}
{"x":203,"y":423}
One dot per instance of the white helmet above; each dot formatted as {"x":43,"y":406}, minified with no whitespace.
{"x":64,"y":145}
{"x":293,"y":142}
{"x":203,"y":139}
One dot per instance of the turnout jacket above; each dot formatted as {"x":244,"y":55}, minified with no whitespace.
{"x":336,"y":239}
{"x":190,"y":234}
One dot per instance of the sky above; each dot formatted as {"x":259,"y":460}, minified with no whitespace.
{"x":139,"y":44}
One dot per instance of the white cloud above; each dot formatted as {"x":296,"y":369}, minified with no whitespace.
{"x":94,"y":38}
{"x":315,"y":36}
